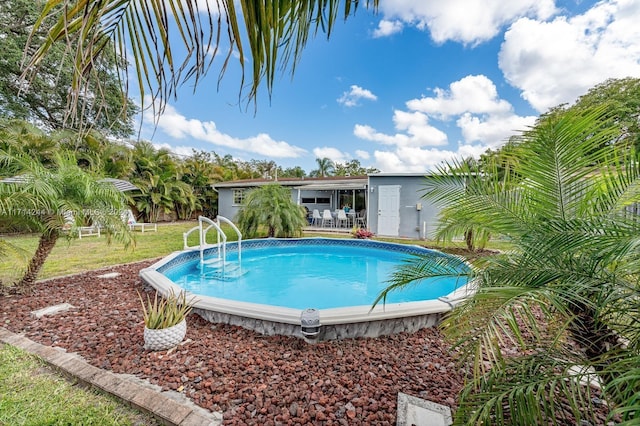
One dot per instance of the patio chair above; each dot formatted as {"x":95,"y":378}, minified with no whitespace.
{"x":327,"y":217}
{"x":142,"y":226}
{"x":342,"y":219}
{"x":83,"y":231}
{"x":88,"y":231}
{"x":316,"y":218}
{"x":361,"y":219}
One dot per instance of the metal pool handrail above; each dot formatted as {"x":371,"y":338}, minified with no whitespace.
{"x":203,"y":240}
{"x":238,"y":233}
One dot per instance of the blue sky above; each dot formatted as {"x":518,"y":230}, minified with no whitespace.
{"x":418,"y":83}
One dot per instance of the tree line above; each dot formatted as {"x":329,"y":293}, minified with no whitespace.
{"x":170,"y":186}
{"x":36,"y":119}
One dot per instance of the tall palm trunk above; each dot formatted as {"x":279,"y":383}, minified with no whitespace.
{"x":45,"y":245}
{"x":595,"y":337}
{"x":468,"y":239}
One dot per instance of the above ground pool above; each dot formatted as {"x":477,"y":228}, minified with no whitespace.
{"x":317,"y":288}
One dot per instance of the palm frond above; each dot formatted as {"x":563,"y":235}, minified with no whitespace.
{"x":558,"y":157}
{"x":418,"y":268}
{"x":541,"y":388}
{"x":624,"y":389}
{"x":175,"y":41}
{"x":616,"y":188}
{"x":499,"y":318}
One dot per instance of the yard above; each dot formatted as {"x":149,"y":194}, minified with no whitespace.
{"x":249,"y":377}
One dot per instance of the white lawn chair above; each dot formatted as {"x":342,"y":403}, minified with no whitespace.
{"x":315,"y":217}
{"x":83,"y":231}
{"x":342,"y":219}
{"x":142,"y":226}
{"x":88,"y":231}
{"x":361,"y":219}
{"x":326,"y":217}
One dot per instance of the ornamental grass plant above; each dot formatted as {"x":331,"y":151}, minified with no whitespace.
{"x":165,"y":312}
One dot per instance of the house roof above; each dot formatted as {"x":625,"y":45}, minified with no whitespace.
{"x":329,"y":182}
{"x":424,"y":174}
{"x":333,"y":186}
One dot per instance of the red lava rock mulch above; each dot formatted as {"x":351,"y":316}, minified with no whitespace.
{"x":250,"y":378}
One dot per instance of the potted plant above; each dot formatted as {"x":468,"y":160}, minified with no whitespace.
{"x":165,"y":322}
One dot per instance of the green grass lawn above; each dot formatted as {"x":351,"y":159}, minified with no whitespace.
{"x":33,"y":394}
{"x":79,"y":255}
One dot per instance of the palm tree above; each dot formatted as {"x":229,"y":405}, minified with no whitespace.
{"x":270,"y":206}
{"x":43,"y":199}
{"x":448,"y":192}
{"x":200,"y":173}
{"x":116,"y":160}
{"x":155,"y":172}
{"x":185,"y":200}
{"x":326,"y":167}
{"x":19,"y":136}
{"x":155,"y":31}
{"x":566,"y":295}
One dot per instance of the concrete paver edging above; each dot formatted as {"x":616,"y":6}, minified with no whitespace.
{"x":170,"y":408}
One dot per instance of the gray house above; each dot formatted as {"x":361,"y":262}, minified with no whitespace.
{"x":390,"y":204}
{"x":396,"y":206}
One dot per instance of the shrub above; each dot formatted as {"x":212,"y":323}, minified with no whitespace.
{"x":362,"y":233}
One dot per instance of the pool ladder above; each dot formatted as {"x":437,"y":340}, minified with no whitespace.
{"x":216,"y":267}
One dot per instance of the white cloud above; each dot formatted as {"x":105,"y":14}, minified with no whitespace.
{"x":178,"y":126}
{"x":410,"y":159}
{"x":362,"y":154}
{"x":469,"y":22}
{"x":414,"y":130}
{"x":387,"y":28}
{"x":555,"y":62}
{"x":493,"y":130}
{"x":484,"y":120}
{"x":419,"y":160}
{"x":183,"y":151}
{"x":354,"y":95}
{"x":474,"y":93}
{"x":333,"y":154}
{"x":481,"y":115}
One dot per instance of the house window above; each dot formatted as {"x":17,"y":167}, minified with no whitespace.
{"x":316,"y":200}
{"x":238,"y":196}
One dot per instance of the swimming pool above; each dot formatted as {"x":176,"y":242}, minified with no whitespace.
{"x":305,"y":275}
{"x":278,"y":279}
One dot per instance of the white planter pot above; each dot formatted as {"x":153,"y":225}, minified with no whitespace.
{"x":164,"y":338}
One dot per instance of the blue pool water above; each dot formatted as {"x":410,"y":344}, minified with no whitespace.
{"x":304,"y":276}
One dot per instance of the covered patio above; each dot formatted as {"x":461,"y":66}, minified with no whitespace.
{"x":328,"y":198}
{"x":330,"y":193}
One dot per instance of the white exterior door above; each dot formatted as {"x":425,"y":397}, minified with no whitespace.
{"x":389,"y":210}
